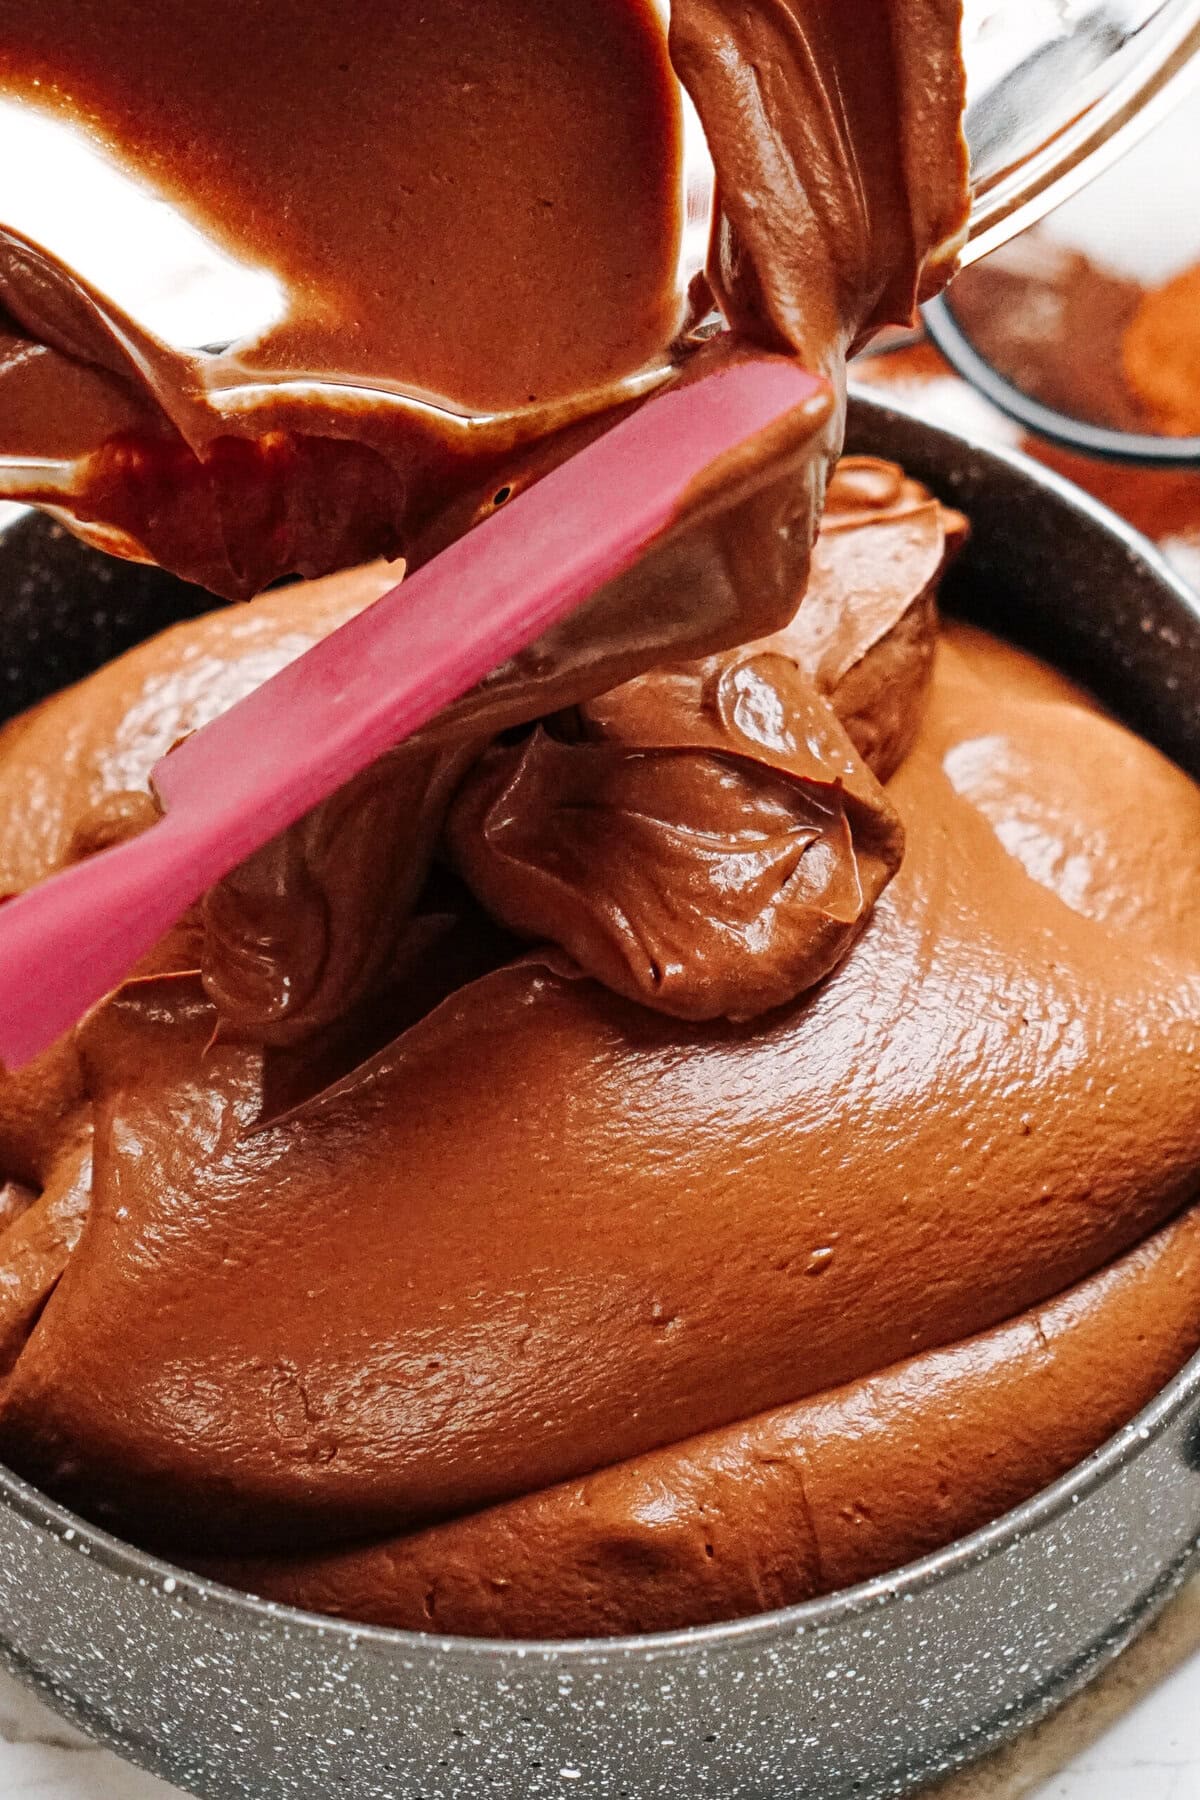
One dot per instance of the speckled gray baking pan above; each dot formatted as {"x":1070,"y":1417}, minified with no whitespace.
{"x":868,"y":1694}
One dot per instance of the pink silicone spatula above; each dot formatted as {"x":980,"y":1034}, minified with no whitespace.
{"x":236,"y":783}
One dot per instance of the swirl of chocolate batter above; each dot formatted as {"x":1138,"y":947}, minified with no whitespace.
{"x":885,"y":541}
{"x":706,"y":841}
{"x":795,"y":1503}
{"x":303,"y":929}
{"x":703,"y":838}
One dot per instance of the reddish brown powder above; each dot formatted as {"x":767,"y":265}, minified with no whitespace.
{"x":1161,"y":354}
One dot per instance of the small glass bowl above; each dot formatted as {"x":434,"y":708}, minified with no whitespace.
{"x":1086,"y":330}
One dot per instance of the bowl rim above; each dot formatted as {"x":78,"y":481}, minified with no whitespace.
{"x":815,"y":1616}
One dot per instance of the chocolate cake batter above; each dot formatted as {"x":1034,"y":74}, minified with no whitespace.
{"x":672,"y":1139}
{"x":475,"y":214}
{"x":518,"y":1282}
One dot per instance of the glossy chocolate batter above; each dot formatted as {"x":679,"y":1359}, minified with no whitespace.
{"x":523,"y":1286}
{"x":475,"y":213}
{"x":687,"y":1131}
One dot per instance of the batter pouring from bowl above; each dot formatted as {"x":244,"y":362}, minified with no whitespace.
{"x":476,"y":219}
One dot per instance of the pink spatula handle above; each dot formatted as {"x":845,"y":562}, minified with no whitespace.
{"x":251,"y":773}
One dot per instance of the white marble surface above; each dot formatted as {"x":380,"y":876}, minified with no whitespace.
{"x":1135,"y":1735}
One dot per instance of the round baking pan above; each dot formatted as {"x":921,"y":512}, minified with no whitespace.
{"x":1144,"y":449}
{"x":867,"y":1694}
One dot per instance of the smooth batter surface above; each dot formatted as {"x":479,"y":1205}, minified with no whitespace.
{"x":527,"y":1287}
